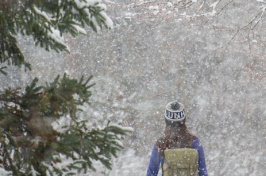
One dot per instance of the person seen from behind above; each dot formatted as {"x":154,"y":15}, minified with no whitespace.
{"x":178,"y":152}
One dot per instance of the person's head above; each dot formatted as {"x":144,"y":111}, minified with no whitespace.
{"x":176,"y":134}
{"x":175,"y":114}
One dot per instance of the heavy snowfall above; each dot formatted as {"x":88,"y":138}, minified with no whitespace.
{"x":211,"y":56}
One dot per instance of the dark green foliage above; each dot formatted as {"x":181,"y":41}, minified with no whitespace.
{"x":46,"y":21}
{"x":94,"y":144}
{"x":28,"y":138}
{"x":29,"y":142}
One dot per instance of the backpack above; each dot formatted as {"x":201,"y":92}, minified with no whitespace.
{"x":180,"y":162}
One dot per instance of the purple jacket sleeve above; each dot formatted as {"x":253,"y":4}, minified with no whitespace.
{"x":202,"y":164}
{"x":155,"y":160}
{"x":154,"y":164}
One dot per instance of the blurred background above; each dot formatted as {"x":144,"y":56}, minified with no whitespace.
{"x":214,"y":63}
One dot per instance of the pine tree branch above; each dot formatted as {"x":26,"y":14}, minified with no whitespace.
{"x":46,"y":21}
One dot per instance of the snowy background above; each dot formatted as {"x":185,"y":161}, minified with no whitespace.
{"x":215,"y":66}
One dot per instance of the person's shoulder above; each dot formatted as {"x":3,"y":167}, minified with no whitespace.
{"x":195,"y":138}
{"x":195,"y":142}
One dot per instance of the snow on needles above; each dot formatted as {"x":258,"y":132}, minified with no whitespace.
{"x":97,"y":3}
{"x":42,"y":13}
{"x":55,"y":34}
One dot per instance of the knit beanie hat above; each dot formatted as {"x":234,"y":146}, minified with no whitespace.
{"x":175,"y":114}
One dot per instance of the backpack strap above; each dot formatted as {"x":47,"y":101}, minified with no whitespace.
{"x":190,"y":142}
{"x":160,"y":158}
{"x":162,"y":166}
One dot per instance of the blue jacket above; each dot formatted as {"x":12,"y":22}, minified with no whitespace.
{"x":155,"y":160}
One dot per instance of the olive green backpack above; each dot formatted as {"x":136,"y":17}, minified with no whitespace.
{"x":180,"y":162}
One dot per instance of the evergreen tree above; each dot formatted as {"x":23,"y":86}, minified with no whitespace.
{"x":46,"y":21}
{"x":30,"y":143}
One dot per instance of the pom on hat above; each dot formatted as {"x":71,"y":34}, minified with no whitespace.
{"x":174,"y":112}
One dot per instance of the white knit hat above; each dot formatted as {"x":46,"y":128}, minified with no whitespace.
{"x":174,"y":112}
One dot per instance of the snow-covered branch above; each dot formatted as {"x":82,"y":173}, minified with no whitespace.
{"x":47,"y":21}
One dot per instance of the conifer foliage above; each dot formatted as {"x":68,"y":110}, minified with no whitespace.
{"x":32,"y":140}
{"x":46,"y":21}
